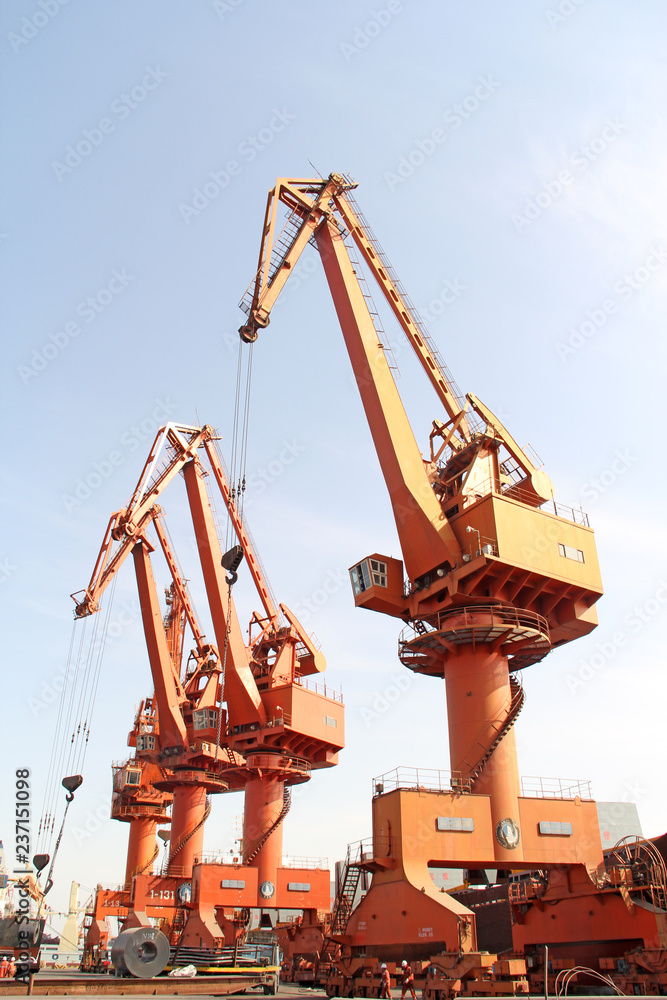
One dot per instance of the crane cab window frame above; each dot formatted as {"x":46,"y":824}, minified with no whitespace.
{"x":145,"y":741}
{"x":379,"y":572}
{"x":204,"y":718}
{"x":368,"y":573}
{"x":127,"y":776}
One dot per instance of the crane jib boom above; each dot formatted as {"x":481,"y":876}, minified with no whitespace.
{"x":323,"y":212}
{"x":278,"y":256}
{"x":425,"y":535}
{"x":422,"y":527}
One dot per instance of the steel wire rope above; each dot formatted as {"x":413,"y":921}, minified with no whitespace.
{"x":237,"y":489}
{"x":88,"y":688}
{"x":76,"y":719}
{"x":223,"y":670}
{"x":64,"y":756}
{"x":58,"y":722}
{"x":240,"y":437}
{"x":47,"y":822}
{"x":79,"y":677}
{"x":184,"y":583}
{"x":235,"y":435}
{"x":244,"y":435}
{"x":77,"y":767}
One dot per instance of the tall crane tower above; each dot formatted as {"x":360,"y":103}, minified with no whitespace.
{"x":495,"y":573}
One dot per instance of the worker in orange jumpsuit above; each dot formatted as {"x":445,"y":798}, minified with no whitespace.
{"x":408,"y":981}
{"x":11,"y":968}
{"x":385,"y":983}
{"x":4,"y":965}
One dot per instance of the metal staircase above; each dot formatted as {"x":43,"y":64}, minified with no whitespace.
{"x":342,"y":908}
{"x":176,"y":848}
{"x":518,"y":698}
{"x":287,"y":802}
{"x":345,"y":895}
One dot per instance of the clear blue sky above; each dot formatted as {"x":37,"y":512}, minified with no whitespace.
{"x":511,"y":159}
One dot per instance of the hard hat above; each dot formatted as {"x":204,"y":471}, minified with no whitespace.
{"x":404,"y":962}
{"x":383,"y":966}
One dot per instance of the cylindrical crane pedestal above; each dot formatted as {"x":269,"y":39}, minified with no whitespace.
{"x":187,"y":828}
{"x":263,"y":830}
{"x":470,"y":647}
{"x":141,"y":847}
{"x":479,"y":700}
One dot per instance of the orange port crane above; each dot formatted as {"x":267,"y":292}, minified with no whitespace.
{"x":273,"y":730}
{"x":497,"y":574}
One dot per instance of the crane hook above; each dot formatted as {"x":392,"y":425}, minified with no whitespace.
{"x":231,"y":562}
{"x":70,"y":784}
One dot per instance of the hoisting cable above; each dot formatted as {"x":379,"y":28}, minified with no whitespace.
{"x":239,"y":449}
{"x":44,"y":821}
{"x":72,"y":731}
{"x":40,"y":861}
{"x":68,"y":697}
{"x":231,"y":562}
{"x":244,"y":437}
{"x":223,"y":669}
{"x":47,"y":822}
{"x":70,"y":784}
{"x":76,"y":765}
{"x":235,"y":436}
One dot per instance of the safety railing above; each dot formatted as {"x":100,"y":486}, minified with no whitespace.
{"x":200,"y":777}
{"x":120,"y":811}
{"x":235,"y":860}
{"x":312,"y":864}
{"x":324,"y":689}
{"x":113,"y":887}
{"x":488,"y":486}
{"x":178,"y":871}
{"x":219,"y":858}
{"x":420,"y":779}
{"x":481,"y":618}
{"x":556,"y":788}
{"x":362,"y":852}
{"x":483,"y":545}
{"x":575,"y":514}
{"x":430,"y":780}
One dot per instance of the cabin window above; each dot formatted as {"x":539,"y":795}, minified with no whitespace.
{"x":569,"y":552}
{"x":360,"y":577}
{"x":379,"y":570}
